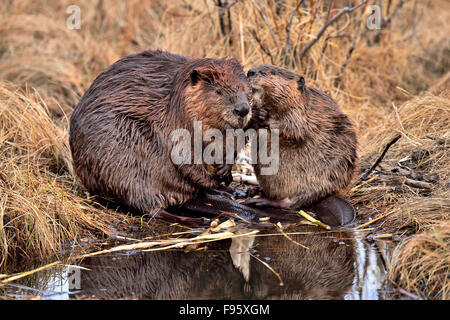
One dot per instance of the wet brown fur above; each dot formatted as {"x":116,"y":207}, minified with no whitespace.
{"x":120,"y":130}
{"x":318,"y":143}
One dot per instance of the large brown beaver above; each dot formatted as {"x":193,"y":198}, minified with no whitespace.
{"x":120,"y":132}
{"x":317,"y":143}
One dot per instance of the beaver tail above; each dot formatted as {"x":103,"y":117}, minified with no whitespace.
{"x":334,"y":210}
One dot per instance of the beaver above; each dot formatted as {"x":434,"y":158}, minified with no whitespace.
{"x":317,"y":144}
{"x":120,"y":131}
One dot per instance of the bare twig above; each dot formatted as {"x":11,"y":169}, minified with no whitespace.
{"x":287,"y":46}
{"x":261,"y":13}
{"x":409,"y":294}
{"x":329,"y":9}
{"x":224,"y":6}
{"x":424,"y":14}
{"x":414,"y":27}
{"x":237,"y":177}
{"x":380,"y":158}
{"x":326,"y":25}
{"x":261,"y":45}
{"x":383,"y":236}
{"x":352,"y":47}
{"x":365,"y":182}
{"x":388,"y":8}
{"x":270,"y":268}
{"x":325,"y":45}
{"x":280,"y":228}
{"x":387,"y":21}
{"x":376,"y":219}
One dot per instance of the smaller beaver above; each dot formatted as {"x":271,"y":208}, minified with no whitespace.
{"x":317,"y":144}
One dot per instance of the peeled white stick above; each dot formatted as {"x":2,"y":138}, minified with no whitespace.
{"x":237,"y":177}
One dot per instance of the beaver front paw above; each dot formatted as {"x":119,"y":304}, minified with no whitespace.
{"x":223,"y":174}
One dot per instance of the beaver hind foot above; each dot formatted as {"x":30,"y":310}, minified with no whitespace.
{"x":335,"y":211}
{"x":332,"y":210}
{"x":219,"y":204}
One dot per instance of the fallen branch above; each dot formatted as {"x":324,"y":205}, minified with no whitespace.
{"x":380,"y":158}
{"x":418,"y":184}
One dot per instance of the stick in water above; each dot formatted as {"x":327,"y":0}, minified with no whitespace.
{"x":315,"y":221}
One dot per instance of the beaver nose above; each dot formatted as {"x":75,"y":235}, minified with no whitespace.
{"x":242,"y":109}
{"x":251,"y":73}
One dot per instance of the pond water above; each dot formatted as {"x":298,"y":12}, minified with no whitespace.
{"x":305,"y":263}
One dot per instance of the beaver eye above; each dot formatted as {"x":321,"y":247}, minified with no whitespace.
{"x":219,"y":92}
{"x":274,"y":73}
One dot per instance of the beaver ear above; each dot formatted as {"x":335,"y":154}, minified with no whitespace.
{"x":204,"y":74}
{"x":300,"y":83}
{"x":195,"y":76}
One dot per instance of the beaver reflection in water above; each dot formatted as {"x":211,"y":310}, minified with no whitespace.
{"x":324,"y":271}
{"x":317,"y":145}
{"x":120,"y":132}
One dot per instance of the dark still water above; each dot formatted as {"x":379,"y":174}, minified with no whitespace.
{"x":305,"y":263}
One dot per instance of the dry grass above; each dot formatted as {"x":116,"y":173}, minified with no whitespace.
{"x":422,"y":264}
{"x":38,"y":205}
{"x":420,"y":155}
{"x":48,"y":67}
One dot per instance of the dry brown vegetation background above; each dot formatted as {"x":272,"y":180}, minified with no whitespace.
{"x":390,"y":81}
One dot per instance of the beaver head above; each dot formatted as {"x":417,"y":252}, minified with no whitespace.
{"x":218,"y":94}
{"x":276,"y":87}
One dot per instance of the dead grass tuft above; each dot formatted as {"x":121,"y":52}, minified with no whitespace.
{"x":414,"y":177}
{"x":422,"y":265}
{"x":415,"y":172}
{"x":39,"y":209}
